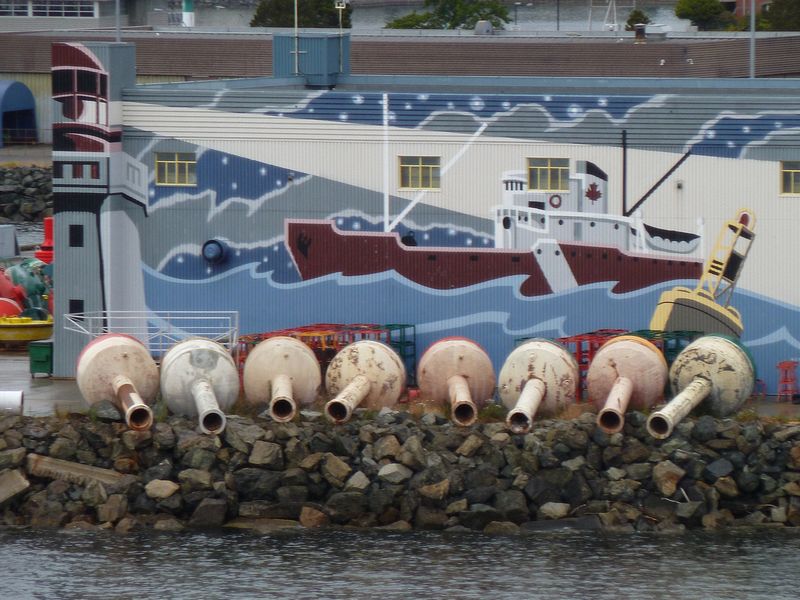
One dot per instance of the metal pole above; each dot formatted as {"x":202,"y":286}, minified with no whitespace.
{"x":296,"y":43}
{"x":558,"y":15}
{"x":752,"y":39}
{"x":116,"y":15}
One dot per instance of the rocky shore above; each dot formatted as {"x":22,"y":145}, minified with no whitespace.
{"x":395,"y":472}
{"x":26,"y":194}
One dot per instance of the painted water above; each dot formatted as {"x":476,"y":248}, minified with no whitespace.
{"x":749,"y":564}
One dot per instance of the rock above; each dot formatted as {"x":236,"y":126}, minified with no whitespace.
{"x":113,"y":509}
{"x":209,"y":513}
{"x":412,"y":454}
{"x":12,"y":482}
{"x":470,"y":446}
{"x":512,"y":505}
{"x":312,"y":518}
{"x":158,"y":489}
{"x":63,"y":448}
{"x":267,"y":454}
{"x":194,"y":479}
{"x":127,"y":525}
{"x":501,"y":528}
{"x":705,"y":429}
{"x":136,"y":440}
{"x":256,"y":484}
{"x":386,"y":447}
{"x":457,"y":506}
{"x":719,"y":468}
{"x":792,"y":488}
{"x":666,"y":476}
{"x":94,"y":494}
{"x":401,"y":526}
{"x":358,"y":482}
{"x":430,"y":518}
{"x":395,"y":473}
{"x":312,"y":461}
{"x":291,"y":494}
{"x":11,"y":459}
{"x":435,"y":491}
{"x":167,"y":523}
{"x":478,"y":516}
{"x":726,"y":486}
{"x":717,"y":519}
{"x":615,"y":474}
{"x":553,"y":510}
{"x":345,"y":506}
{"x":686,"y":510}
{"x":335,"y":470}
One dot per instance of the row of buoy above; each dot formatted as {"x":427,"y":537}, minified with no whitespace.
{"x":199,"y":379}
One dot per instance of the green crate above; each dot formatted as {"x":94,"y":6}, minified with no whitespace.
{"x":40,"y":354}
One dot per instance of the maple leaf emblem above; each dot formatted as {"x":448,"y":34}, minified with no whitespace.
{"x":593,"y":192}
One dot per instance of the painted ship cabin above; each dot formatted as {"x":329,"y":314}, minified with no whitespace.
{"x":494,"y":208}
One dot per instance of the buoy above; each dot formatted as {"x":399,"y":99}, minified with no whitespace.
{"x":626,"y":372}
{"x":458,"y":371}
{"x":199,"y":379}
{"x":538,"y":377}
{"x":281,"y":371}
{"x":118,"y":368}
{"x":714,"y":370}
{"x":367,"y":372}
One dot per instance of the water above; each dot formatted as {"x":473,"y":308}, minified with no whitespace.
{"x":751,"y":564}
{"x":565,"y":15}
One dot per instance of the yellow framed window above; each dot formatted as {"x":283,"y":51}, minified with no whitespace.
{"x":790,"y":177}
{"x":176,"y":168}
{"x":420,"y":172}
{"x":548,"y":174}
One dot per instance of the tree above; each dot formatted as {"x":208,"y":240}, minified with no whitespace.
{"x":636,"y":16}
{"x":782,"y":15}
{"x":453,"y":14}
{"x":310,"y":13}
{"x":706,"y":14}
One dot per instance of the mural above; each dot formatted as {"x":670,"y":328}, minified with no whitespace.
{"x":295,"y":216}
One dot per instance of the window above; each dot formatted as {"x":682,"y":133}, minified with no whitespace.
{"x":64,"y":8}
{"x":175,"y":168}
{"x":15,"y":8}
{"x":420,"y":172}
{"x":548,"y":174}
{"x":790,"y":177}
{"x":76,"y":238}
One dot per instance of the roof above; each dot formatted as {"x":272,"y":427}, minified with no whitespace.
{"x":248,"y":53}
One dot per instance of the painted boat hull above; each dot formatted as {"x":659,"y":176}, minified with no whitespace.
{"x":21,"y":329}
{"x":318,"y":249}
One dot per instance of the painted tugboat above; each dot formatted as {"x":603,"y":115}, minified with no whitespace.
{"x":556,"y":241}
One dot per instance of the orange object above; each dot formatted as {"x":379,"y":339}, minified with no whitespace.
{"x":787,"y":380}
{"x":45,"y":251}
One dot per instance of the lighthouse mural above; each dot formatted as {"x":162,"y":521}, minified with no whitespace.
{"x":96,"y":186}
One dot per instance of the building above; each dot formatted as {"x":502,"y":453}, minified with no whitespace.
{"x":491,"y":207}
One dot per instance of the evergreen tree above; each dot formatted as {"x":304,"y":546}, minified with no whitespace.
{"x":782,"y":15}
{"x":706,"y":14}
{"x":310,"y":13}
{"x":636,"y":16}
{"x":453,"y":14}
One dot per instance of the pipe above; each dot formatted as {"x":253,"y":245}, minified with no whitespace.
{"x":520,"y":418}
{"x":209,"y":416}
{"x":340,"y":409}
{"x":282,"y":406}
{"x":138,"y":416}
{"x":462,"y":407}
{"x":661,"y":423}
{"x":611,"y":418}
{"x":12,"y":402}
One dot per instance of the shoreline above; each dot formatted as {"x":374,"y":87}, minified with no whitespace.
{"x":393,"y":472}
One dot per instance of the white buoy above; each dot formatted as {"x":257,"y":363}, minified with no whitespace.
{"x":458,"y":371}
{"x":283,"y":372}
{"x":538,"y":377}
{"x":119,"y":369}
{"x":199,"y":379}
{"x":626,"y":372}
{"x":365,"y":372}
{"x":714,"y":370}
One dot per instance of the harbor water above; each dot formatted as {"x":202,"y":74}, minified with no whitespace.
{"x":741,"y":563}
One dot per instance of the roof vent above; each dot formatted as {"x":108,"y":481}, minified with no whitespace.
{"x":484,"y":28}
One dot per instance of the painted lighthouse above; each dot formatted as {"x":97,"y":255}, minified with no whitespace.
{"x":96,"y":186}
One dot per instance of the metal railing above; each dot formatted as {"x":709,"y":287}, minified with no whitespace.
{"x":159,"y":331}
